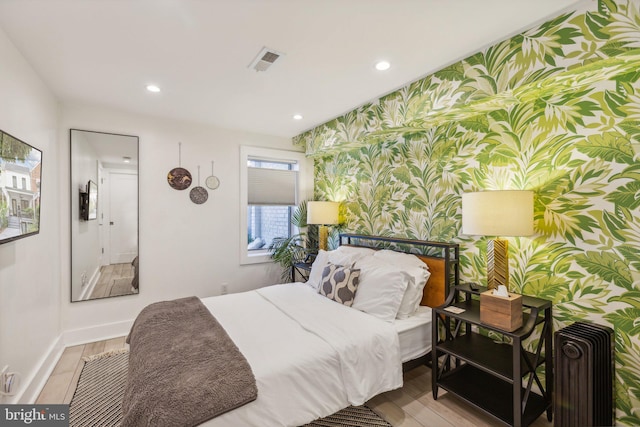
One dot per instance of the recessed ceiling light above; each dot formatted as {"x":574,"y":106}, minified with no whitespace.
{"x":382,"y":65}
{"x":297,"y":117}
{"x":153,"y":88}
{"x":126,"y":159}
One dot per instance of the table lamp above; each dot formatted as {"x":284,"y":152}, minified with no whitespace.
{"x":322,"y":214}
{"x":498,"y":213}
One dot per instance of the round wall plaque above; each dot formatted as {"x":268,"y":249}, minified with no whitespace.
{"x":199,"y":195}
{"x":179,"y":178}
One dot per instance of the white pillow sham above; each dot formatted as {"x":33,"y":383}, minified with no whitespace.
{"x":419,"y":273}
{"x":317,"y":268}
{"x":355,"y":251}
{"x":381,"y":288}
{"x":340,"y":256}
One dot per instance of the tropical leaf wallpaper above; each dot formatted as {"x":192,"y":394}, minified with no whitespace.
{"x":555,"y":110}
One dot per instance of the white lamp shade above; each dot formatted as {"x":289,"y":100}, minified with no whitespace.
{"x":323,"y":213}
{"x":498,"y":213}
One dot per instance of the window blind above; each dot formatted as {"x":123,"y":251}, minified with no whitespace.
{"x":272,"y":186}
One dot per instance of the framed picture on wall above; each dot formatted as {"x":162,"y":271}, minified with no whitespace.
{"x":20,"y":186}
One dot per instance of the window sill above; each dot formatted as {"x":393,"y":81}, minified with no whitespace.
{"x":256,"y":257}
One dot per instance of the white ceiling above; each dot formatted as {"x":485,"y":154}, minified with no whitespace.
{"x":104,"y":52}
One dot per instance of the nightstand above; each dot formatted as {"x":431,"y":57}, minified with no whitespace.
{"x":489,"y":374}
{"x":303,"y":269}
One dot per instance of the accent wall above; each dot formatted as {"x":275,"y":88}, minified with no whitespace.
{"x":556,"y":110}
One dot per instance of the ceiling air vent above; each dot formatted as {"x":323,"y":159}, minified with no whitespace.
{"x":265,"y":58}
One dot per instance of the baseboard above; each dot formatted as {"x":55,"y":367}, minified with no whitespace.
{"x":97,"y":333}
{"x":88,"y":289}
{"x":33,"y":385}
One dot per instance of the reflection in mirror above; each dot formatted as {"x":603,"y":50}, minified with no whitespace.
{"x":104,"y":215}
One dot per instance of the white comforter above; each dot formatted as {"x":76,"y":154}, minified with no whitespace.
{"x":311,"y":356}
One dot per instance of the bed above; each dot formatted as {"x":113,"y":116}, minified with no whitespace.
{"x":311,"y":356}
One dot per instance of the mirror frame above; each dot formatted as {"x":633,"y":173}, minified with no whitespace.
{"x":76,"y":212}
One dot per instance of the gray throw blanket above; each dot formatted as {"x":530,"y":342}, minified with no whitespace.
{"x":183,"y":367}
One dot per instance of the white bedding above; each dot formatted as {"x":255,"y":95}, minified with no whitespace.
{"x":415,"y":334}
{"x":311,"y":356}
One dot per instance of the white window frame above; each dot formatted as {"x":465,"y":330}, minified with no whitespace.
{"x":277,"y":155}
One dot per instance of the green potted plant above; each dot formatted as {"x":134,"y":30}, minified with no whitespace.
{"x":300,"y":247}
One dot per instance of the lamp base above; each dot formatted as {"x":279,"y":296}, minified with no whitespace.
{"x":323,"y":237}
{"x":497,"y":263}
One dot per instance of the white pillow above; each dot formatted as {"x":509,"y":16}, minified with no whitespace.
{"x":355,"y":251}
{"x":344,"y":255}
{"x":317,"y":268}
{"x":419,"y":272}
{"x":381,"y":289}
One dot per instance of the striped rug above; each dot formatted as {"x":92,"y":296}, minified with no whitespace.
{"x":353,"y":416}
{"x":97,"y":401}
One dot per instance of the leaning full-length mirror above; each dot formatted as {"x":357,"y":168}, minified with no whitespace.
{"x":104,"y":215}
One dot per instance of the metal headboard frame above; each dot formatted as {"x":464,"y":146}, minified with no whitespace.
{"x":450,"y":252}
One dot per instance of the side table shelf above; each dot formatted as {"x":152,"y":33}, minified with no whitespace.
{"x":489,"y":374}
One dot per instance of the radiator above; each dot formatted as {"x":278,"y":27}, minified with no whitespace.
{"x":584,"y":364}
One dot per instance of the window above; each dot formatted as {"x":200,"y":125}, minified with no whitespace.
{"x":14,"y":181}
{"x":269,"y":212}
{"x":272,"y":184}
{"x":24,"y":183}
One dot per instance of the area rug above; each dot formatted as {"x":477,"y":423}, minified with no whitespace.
{"x":97,"y":401}
{"x":353,"y":416}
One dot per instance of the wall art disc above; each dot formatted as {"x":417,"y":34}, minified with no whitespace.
{"x":212,"y":182}
{"x":179,"y":178}
{"x":198,"y":195}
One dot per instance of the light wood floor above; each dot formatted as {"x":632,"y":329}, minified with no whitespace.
{"x":63,"y":380}
{"x":413,"y":406}
{"x":108,"y":283}
{"x":410,"y":406}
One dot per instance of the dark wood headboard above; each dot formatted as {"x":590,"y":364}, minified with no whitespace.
{"x":443,"y":260}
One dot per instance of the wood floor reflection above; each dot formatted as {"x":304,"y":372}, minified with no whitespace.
{"x":115,"y":280}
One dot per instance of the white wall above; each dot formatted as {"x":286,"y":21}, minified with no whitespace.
{"x":86,"y":237}
{"x":30,"y":267}
{"x":185,"y":249}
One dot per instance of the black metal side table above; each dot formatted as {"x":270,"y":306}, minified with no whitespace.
{"x":489,"y":374}
{"x":302,"y":268}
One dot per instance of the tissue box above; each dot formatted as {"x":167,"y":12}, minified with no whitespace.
{"x":501,"y":312}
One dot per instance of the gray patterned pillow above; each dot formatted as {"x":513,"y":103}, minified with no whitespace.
{"x":339,"y":283}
